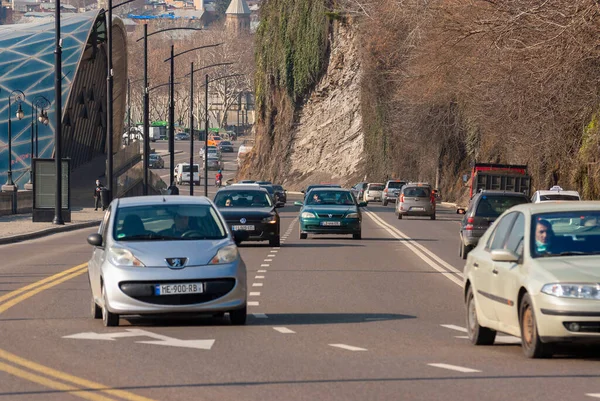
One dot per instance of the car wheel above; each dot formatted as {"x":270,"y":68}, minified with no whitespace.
{"x":433,"y":217}
{"x":477,"y":334}
{"x":385,"y":202}
{"x":238,"y":316}
{"x":275,"y":241}
{"x":108,"y":318}
{"x":96,"y":310}
{"x":530,"y":339}
{"x":303,"y":235}
{"x":399,"y":215}
{"x":357,"y":235}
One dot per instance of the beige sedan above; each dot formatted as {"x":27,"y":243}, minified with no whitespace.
{"x":535,"y":274}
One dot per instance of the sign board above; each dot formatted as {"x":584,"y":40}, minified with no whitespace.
{"x":44,"y":189}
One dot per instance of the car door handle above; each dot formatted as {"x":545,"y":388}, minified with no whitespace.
{"x":476,"y":264}
{"x":494,"y":271}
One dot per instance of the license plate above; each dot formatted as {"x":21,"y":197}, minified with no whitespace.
{"x":331,"y":223}
{"x":242,"y":228}
{"x":177,"y":289}
{"x":417,"y":209}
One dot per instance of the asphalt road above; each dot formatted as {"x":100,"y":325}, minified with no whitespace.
{"x":332,"y":318}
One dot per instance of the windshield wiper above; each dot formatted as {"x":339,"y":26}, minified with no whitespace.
{"x":578,"y":253}
{"x":149,"y":236}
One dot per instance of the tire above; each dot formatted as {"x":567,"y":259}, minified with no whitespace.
{"x":399,"y":216}
{"x":530,"y":340}
{"x":357,"y":235}
{"x":384,"y":202}
{"x":275,"y":241}
{"x":433,"y":217}
{"x":478,"y":335}
{"x":303,"y":235}
{"x":108,"y":318}
{"x":238,"y":316}
{"x":96,"y":310}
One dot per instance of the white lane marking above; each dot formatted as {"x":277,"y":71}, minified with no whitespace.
{"x":257,"y":285}
{"x":499,"y":339}
{"x":348,"y":347}
{"x":159,"y":339}
{"x":255,"y":294}
{"x":594,"y":395}
{"x":253,"y":303}
{"x":284,"y":330}
{"x":268,"y":260}
{"x":271,"y":255}
{"x":453,"y":327}
{"x":260,"y":315}
{"x":411,"y":245}
{"x":454,"y":367}
{"x":265,"y":265}
{"x":274,"y":250}
{"x":259,"y":277}
{"x":277,"y":247}
{"x":261,"y":271}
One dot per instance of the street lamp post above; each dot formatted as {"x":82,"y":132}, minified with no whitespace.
{"x":192,"y":132}
{"x":109,"y":105}
{"x":43,"y":103}
{"x":19,"y":97}
{"x":58,"y":220}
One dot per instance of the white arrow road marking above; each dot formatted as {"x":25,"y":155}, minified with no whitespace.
{"x":348,"y":347}
{"x":454,"y":367}
{"x":284,"y":330}
{"x":162,"y":340}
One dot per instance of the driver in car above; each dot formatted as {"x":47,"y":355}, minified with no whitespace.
{"x":180,"y":226}
{"x":543,"y":237}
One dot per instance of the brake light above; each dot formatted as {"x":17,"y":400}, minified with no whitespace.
{"x":402,"y":198}
{"x":469,"y":225}
{"x":385,"y":190}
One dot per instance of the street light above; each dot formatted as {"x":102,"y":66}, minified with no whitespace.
{"x":19,"y":97}
{"x":172,"y":106}
{"x":147,"y":99}
{"x":39,"y":102}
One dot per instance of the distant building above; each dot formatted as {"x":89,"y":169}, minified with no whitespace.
{"x":237,"y":17}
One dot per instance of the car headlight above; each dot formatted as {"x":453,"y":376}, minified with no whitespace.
{"x":270,"y":219}
{"x":568,"y":290}
{"x":352,"y":216}
{"x":227,"y":254}
{"x":307,"y":215}
{"x":123,"y":257}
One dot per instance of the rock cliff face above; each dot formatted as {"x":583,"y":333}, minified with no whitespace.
{"x":322,"y":139}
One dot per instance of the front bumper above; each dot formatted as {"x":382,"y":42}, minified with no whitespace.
{"x":554,"y":316}
{"x":127,"y":289}
{"x":313,"y":226}
{"x":261,"y":232}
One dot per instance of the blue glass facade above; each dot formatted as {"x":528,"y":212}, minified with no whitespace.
{"x":27,"y":65}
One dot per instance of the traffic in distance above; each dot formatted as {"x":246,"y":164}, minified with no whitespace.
{"x":530,"y":259}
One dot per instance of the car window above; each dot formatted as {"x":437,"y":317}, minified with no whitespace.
{"x":395,"y":184}
{"x":498,"y":237}
{"x":329,"y":197}
{"x":559,"y":197}
{"x":494,"y":205}
{"x":517,"y":235}
{"x":160,"y":222}
{"x":568,"y":233}
{"x":186,"y":168}
{"x":376,"y":187}
{"x":242,"y":198}
{"x":416,"y":192}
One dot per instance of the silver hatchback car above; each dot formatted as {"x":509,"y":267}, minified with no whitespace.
{"x":416,"y":199}
{"x":165,"y":254}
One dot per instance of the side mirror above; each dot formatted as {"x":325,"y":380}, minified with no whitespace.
{"x":239,"y":236}
{"x":461,"y":210}
{"x":504,"y":255}
{"x":363,"y":204}
{"x":302,"y":191}
{"x":298,"y":203}
{"x":94,"y":239}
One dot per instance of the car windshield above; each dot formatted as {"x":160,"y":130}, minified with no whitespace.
{"x":278,"y":188}
{"x":161,"y":222}
{"x":225,"y":143}
{"x":574,"y":233}
{"x":396,"y":184}
{"x":495,"y":205}
{"x":559,"y":197}
{"x":416,"y":192}
{"x":329,"y":197}
{"x":377,"y":187}
{"x":186,"y":168}
{"x":245,"y":198}
{"x":154,"y":156}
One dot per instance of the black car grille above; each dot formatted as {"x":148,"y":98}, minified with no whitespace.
{"x":331,"y":216}
{"x":144,"y":292}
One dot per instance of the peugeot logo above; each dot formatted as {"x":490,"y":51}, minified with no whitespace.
{"x":330,"y":216}
{"x":176,"y":263}
{"x":243,"y":220}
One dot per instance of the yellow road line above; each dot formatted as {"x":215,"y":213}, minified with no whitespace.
{"x":7,"y":305}
{"x":32,"y":377}
{"x":86,"y":384}
{"x":38,"y":283}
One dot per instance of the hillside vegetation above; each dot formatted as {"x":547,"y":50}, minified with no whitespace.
{"x":445,"y":83}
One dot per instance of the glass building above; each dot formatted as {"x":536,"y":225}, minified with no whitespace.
{"x":27,"y":65}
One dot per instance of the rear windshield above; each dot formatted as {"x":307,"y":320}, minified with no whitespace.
{"x":417,"y":192}
{"x":494,"y":206}
{"x":376,"y":187}
{"x":186,"y":169}
{"x":394,"y":184}
{"x":559,"y":197}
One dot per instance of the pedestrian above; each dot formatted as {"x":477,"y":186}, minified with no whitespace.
{"x":173,"y":190}
{"x":97,"y":194}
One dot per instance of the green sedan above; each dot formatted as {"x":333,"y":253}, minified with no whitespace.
{"x":330,"y":211}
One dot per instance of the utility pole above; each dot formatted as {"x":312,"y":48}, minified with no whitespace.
{"x":172,"y":119}
{"x":109,"y":106}
{"x":206,"y":136}
{"x":192,"y":132}
{"x":58,"y":220}
{"x":146,"y":113}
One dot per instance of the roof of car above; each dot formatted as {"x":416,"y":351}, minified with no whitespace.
{"x":243,"y":187}
{"x":548,"y":207}
{"x":163,"y":199}
{"x":330,"y":188}
{"x":497,"y":192}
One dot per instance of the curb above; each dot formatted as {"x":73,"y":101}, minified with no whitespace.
{"x":49,"y":231}
{"x":448,"y":204}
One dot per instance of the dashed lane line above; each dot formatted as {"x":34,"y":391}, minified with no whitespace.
{"x":254,"y":294}
{"x":253,"y":303}
{"x":257,"y":284}
{"x":454,"y":368}
{"x":284,"y":330}
{"x":348,"y":347}
{"x":259,"y":277}
{"x":261,"y":271}
{"x":265,"y":265}
{"x":454,"y":327}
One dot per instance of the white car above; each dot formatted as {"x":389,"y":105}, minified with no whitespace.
{"x":182,"y":173}
{"x":554,"y":194}
{"x":373,"y":192}
{"x":534,"y":274}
